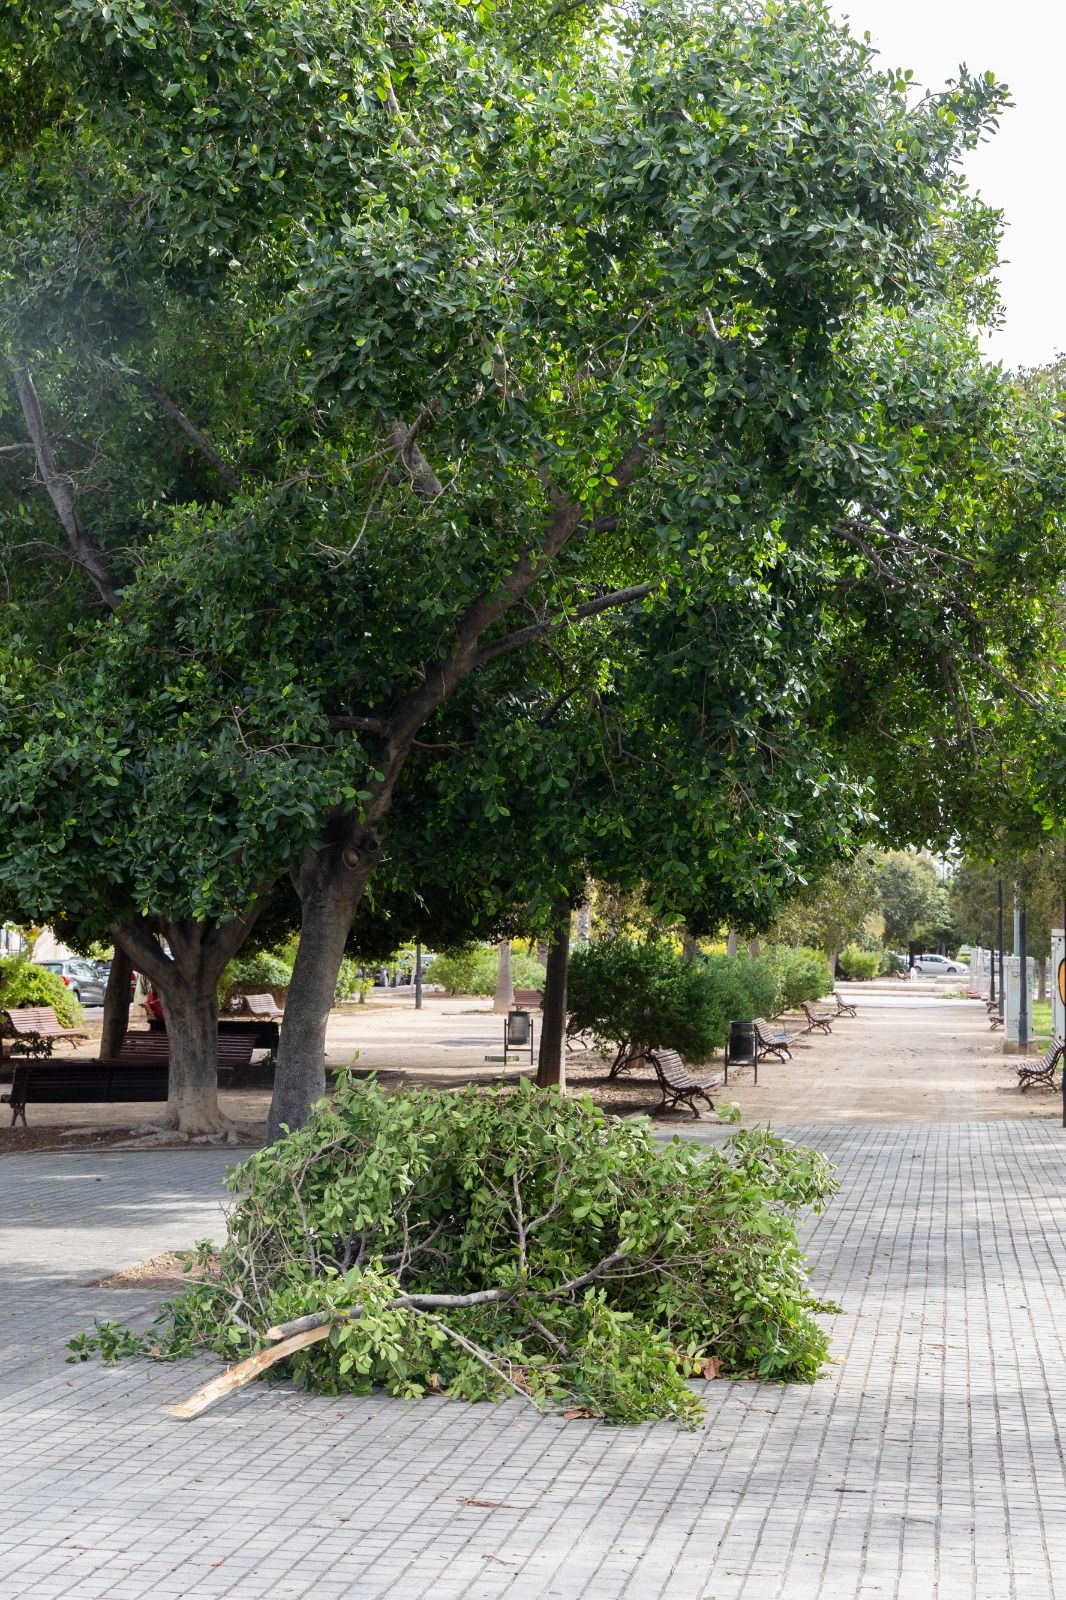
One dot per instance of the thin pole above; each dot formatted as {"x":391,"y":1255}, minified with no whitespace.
{"x":999,"y":941}
{"x":418,"y":974}
{"x":1023,"y":995}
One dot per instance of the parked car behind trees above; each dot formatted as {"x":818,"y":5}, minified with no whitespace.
{"x":79,"y":977}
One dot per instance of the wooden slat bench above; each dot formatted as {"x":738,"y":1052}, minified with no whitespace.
{"x":265,"y":1031}
{"x":263,"y":1005}
{"x":39,"y":1022}
{"x":1031,"y":1072}
{"x":235,"y":1048}
{"x":529,"y":999}
{"x":142,"y":1064}
{"x":83,"y":1083}
{"x":771,"y":1043}
{"x":677,"y":1082}
{"x":817,"y":1021}
{"x":844,"y":1007}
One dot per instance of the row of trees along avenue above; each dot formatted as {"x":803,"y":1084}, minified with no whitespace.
{"x":446,"y":452}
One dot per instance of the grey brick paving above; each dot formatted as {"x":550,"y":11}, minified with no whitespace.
{"x":927,"y":1463}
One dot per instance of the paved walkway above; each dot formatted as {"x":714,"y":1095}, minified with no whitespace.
{"x":927,"y":1463}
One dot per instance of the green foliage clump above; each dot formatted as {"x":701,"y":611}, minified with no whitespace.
{"x":478,"y":1244}
{"x":746,"y":986}
{"x":471,"y":969}
{"x":265,"y":968}
{"x":633,"y":997}
{"x":23,"y":984}
{"x":350,"y":980}
{"x":858,"y":964}
{"x":803,"y":973}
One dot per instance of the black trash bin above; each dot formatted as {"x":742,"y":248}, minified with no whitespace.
{"x":742,"y":1049}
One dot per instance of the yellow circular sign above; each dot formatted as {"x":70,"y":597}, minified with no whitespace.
{"x":1062,"y":981}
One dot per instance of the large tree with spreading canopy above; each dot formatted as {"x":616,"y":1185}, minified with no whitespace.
{"x":380,"y":375}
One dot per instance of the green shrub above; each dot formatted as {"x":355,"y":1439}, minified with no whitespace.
{"x":265,"y":970}
{"x":634,"y":997}
{"x":351,"y":980}
{"x":23,"y":984}
{"x":803,"y":974}
{"x":676,"y":1253}
{"x":762,"y":985}
{"x":858,"y":964}
{"x":472,"y":968}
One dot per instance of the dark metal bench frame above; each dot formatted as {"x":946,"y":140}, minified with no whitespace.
{"x":677,"y":1082}
{"x":84,"y":1083}
{"x":820,"y":1020}
{"x":844,"y":1007}
{"x":773,"y":1044}
{"x":1044,"y":1071}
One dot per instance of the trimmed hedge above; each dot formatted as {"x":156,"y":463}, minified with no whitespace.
{"x":803,"y":974}
{"x":858,"y":964}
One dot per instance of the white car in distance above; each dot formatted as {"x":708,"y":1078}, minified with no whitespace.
{"x":940,"y":967}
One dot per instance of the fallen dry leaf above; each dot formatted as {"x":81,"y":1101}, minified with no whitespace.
{"x":583,"y":1411}
{"x":487,"y":1505}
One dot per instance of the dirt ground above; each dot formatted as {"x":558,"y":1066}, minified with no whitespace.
{"x":912,"y":1054}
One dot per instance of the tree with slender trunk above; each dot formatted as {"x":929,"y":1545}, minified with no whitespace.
{"x":551,"y":1058}
{"x":503,"y":999}
{"x":116,"y":1002}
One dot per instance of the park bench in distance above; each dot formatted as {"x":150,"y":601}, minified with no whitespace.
{"x":844,"y":1007}
{"x":263,"y":1005}
{"x":39,"y":1022}
{"x":529,"y":999}
{"x":677,"y":1082}
{"x":771,"y":1043}
{"x":816,"y":1020}
{"x":1031,"y":1072}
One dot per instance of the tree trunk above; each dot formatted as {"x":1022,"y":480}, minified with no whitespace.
{"x":583,"y":930}
{"x":330,"y":885}
{"x":754,"y":946}
{"x":551,"y":1059}
{"x":732,"y":942}
{"x":504,"y":983}
{"x":187,"y":981}
{"x":688,"y":947}
{"x":192,"y":1031}
{"x":116,"y":1003}
{"x":832,"y":960}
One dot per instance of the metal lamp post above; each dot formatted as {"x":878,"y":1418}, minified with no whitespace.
{"x":999,"y":938}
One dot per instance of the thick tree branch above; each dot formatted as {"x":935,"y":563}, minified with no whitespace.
{"x":360,"y":725}
{"x":444,"y":677}
{"x":423,"y":479}
{"x":16,"y":449}
{"x":60,"y":492}
{"x":188,"y":427}
{"x":591,"y":608}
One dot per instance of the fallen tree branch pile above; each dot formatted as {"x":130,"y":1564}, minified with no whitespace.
{"x":514,"y":1242}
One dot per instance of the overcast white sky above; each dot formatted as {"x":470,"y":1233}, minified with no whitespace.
{"x":1024,"y":43}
